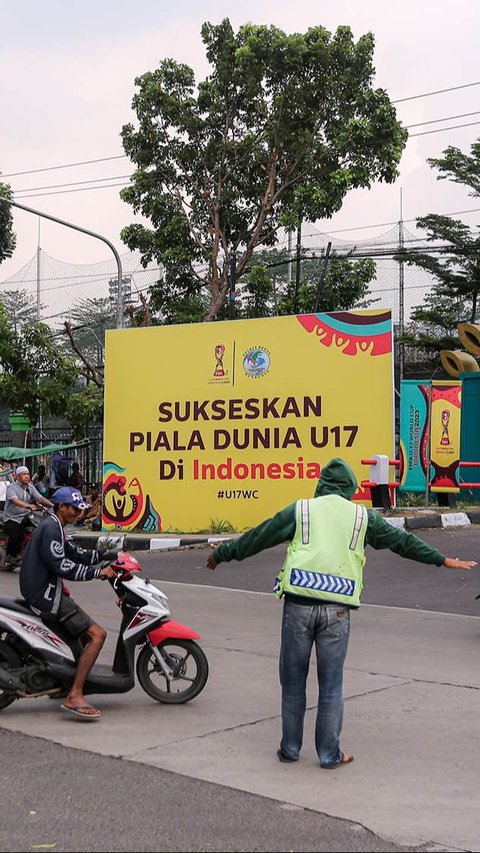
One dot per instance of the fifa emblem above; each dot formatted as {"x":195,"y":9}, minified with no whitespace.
{"x":219,"y":353}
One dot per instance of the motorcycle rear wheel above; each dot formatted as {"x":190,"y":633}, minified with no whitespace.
{"x":9,"y":660}
{"x":186,"y":659}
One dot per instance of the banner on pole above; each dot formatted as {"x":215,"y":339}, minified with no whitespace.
{"x":430,"y":435}
{"x":445,"y":435}
{"x":415,"y":398}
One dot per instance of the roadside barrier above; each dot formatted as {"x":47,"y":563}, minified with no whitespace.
{"x":463,"y":485}
{"x":379,"y":481}
{"x":380,"y":484}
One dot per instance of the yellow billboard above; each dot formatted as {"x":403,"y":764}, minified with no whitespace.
{"x":225,"y":423}
{"x":445,"y":411}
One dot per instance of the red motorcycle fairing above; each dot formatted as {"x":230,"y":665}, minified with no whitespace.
{"x":172,"y":630}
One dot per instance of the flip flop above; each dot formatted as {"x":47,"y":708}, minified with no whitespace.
{"x":342,"y":763}
{"x":82,"y":711}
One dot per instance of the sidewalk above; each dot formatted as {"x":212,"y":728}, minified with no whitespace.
{"x":414,"y":519}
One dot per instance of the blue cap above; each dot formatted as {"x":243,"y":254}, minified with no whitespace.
{"x":73,"y":497}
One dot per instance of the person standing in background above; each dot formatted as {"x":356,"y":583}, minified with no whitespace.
{"x":22,"y":499}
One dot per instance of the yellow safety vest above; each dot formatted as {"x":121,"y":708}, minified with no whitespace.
{"x":326,"y":556}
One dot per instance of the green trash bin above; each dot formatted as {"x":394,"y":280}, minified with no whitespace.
{"x":18,"y":422}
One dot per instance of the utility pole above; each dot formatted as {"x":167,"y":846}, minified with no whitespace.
{"x":39,"y":307}
{"x":322,"y":276}
{"x":289,"y":267}
{"x":297,"y":266}
{"x":233,"y":281}
{"x":39,"y":302}
{"x":401,"y":288}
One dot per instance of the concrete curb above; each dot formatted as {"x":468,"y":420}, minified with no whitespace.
{"x":159,"y":542}
{"x":141,"y":541}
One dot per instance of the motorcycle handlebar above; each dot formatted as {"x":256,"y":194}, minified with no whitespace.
{"x":104,"y":564}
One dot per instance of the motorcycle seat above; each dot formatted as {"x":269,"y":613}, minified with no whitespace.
{"x":17,"y":604}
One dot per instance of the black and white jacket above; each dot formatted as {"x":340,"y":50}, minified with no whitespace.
{"x":50,"y":558}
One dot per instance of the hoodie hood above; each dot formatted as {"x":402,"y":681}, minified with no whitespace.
{"x":337,"y":478}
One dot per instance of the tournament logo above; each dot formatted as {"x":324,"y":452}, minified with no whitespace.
{"x":256,"y":362}
{"x":219,"y":353}
{"x":220,"y":375}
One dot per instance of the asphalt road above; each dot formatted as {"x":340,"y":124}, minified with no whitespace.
{"x":389,"y":579}
{"x":59,"y":799}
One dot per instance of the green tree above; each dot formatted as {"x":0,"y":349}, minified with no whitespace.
{"x":345,"y":285}
{"x":89,"y":319}
{"x":269,"y":289}
{"x":35,"y":375}
{"x":454,"y":297}
{"x":20,"y":307}
{"x":33,"y":372}
{"x":7,"y":236}
{"x":85,"y":407}
{"x":433,"y":325}
{"x":173,"y":305}
{"x":283,"y":127}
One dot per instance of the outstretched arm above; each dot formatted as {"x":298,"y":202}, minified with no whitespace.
{"x":381,"y":534}
{"x":274,"y":531}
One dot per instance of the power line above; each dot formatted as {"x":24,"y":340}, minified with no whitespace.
{"x":436,"y":92}
{"x":437,"y":120}
{"x":395,"y":222}
{"x":78,"y":190}
{"x":65,"y":165}
{"x":72,"y":183}
{"x":123,"y":156}
{"x":117,"y":177}
{"x":441,"y":129}
{"x":21,"y":193}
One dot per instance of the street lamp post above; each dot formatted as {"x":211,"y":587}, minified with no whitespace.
{"x":119,"y":317}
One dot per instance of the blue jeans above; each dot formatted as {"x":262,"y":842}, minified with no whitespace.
{"x":328,"y":626}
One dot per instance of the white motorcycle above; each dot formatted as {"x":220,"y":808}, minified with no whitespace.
{"x":37,"y":661}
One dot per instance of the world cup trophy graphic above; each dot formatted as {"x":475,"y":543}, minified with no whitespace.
{"x":445,"y":440}
{"x":219,"y":353}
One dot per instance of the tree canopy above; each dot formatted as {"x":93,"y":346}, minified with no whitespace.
{"x":20,"y":307}
{"x":455,"y":266}
{"x":7,"y":236}
{"x":36,"y":376}
{"x":333,"y":284}
{"x":280,"y":130}
{"x":33,"y":372}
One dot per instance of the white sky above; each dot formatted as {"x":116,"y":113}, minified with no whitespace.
{"x":67,"y":73}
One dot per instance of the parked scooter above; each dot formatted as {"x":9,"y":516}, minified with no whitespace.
{"x":37,"y":661}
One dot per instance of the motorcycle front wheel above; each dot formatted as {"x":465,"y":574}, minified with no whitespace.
{"x":190,"y":671}
{"x":8,"y":660}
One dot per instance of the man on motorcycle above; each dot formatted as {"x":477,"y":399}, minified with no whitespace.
{"x":49,"y":558}
{"x":21,"y":500}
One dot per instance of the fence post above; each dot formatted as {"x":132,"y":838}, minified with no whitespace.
{"x":379,"y":473}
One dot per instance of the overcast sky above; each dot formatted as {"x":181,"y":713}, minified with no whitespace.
{"x":67,"y":73}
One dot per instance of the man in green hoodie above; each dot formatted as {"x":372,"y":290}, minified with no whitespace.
{"x":321,"y":581}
